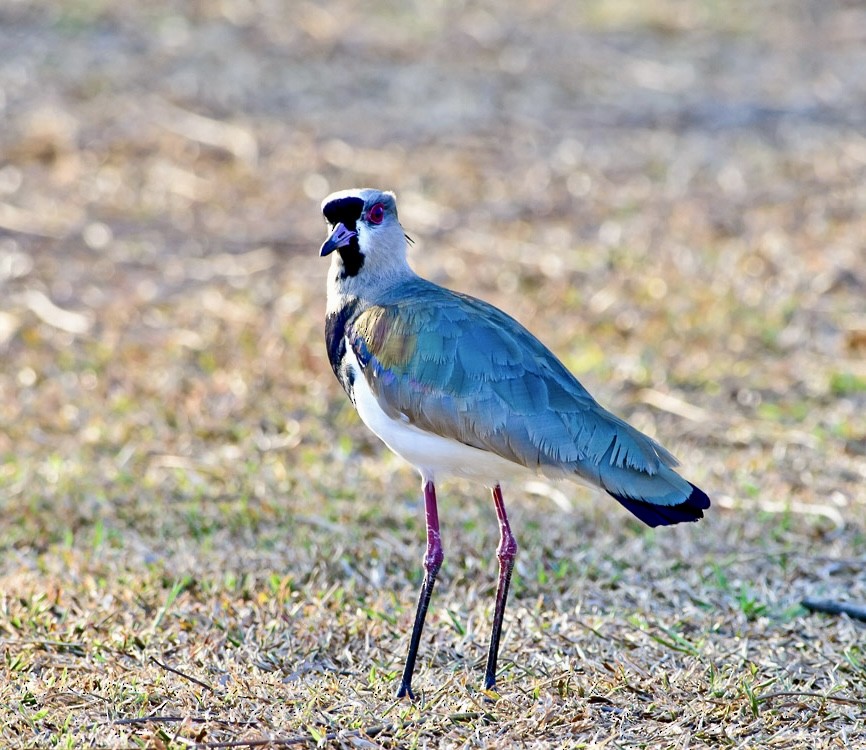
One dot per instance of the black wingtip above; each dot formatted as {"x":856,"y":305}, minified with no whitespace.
{"x":698,"y":498}
{"x":692,"y":509}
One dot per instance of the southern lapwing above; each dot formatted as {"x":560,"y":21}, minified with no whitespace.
{"x":456,"y":387}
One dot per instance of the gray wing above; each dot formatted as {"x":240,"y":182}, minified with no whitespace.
{"x":458,"y":367}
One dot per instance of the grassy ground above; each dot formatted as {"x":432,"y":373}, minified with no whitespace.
{"x":199,"y":542}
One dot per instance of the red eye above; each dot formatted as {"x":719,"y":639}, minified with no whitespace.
{"x":376,"y":214}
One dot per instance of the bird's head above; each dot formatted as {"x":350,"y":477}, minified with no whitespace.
{"x":365,"y":236}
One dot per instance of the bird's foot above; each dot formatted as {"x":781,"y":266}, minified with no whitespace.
{"x":405,"y":689}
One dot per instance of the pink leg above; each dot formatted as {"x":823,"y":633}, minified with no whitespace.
{"x":506,"y":552}
{"x":432,"y":563}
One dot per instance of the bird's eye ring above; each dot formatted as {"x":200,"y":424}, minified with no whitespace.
{"x":376,"y":214}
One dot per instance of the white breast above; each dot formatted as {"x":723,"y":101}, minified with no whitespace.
{"x":432,"y":455}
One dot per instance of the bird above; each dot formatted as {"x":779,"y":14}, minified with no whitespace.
{"x":457,"y":387}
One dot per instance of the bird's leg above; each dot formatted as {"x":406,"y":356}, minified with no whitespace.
{"x":506,"y":552}
{"x":432,"y":563}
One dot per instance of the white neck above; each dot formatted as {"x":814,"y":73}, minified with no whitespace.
{"x":384,"y":267}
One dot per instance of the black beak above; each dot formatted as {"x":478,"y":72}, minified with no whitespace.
{"x":340,"y":237}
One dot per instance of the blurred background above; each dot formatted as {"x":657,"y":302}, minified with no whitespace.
{"x":671,"y":194}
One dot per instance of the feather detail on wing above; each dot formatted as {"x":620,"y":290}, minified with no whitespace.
{"x":460,"y":368}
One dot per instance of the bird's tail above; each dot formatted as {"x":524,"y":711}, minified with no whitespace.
{"x":690,"y":508}
{"x":657,"y":495}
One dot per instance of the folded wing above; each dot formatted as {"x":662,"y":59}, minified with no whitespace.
{"x":457,"y":367}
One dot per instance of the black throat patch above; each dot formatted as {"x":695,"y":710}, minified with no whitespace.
{"x":352,"y":257}
{"x":347,"y":211}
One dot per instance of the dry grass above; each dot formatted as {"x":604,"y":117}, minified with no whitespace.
{"x":201,"y":545}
